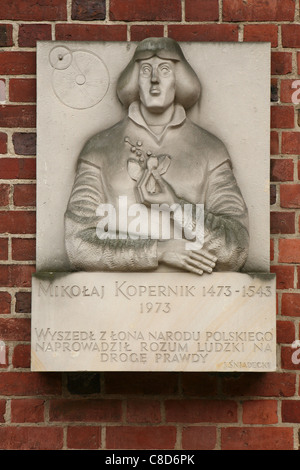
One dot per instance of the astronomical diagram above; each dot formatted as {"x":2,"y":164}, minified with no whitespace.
{"x":80,"y":79}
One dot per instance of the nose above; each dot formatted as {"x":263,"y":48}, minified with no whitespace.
{"x":154,"y":75}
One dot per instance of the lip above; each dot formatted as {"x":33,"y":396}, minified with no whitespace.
{"x":154,"y":90}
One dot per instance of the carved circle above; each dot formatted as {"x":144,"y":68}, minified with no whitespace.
{"x":60,"y":58}
{"x":80,"y":79}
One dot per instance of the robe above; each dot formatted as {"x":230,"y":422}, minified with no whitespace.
{"x":200,"y":172}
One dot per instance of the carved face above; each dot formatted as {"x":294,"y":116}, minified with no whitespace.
{"x":157,"y":84}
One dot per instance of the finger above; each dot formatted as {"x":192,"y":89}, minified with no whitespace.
{"x":205,"y":254}
{"x":193,"y":269}
{"x":199,"y":265}
{"x":203,"y":259}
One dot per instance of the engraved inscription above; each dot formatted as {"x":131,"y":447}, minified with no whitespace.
{"x":157,"y":346}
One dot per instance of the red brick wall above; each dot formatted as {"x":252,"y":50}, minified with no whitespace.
{"x":140,"y":410}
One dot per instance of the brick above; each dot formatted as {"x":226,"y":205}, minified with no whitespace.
{"x":83,"y":410}
{"x":31,"y":10}
{"x":198,"y":32}
{"x":298,"y":276}
{"x":298,"y":63}
{"x":24,"y":143}
{"x":290,"y":90}
{"x":197,"y":411}
{"x":281,"y":63}
{"x":17,"y":222}
{"x":3,"y":248}
{"x":29,"y":383}
{"x":201,"y":10}
{"x":260,"y":412}
{"x":18,"y":168}
{"x":290,"y":411}
{"x":257,"y":438}
{"x":273,"y":194}
{"x":82,"y":32}
{"x":5,"y":302}
{"x":282,"y":170}
{"x":290,"y":196}
{"x":141,"y":437}
{"x":21,"y":356}
{"x":282,"y":222}
{"x":88,"y":10}
{"x":24,"y":195}
{"x":291,"y":143}
{"x":141,"y":10}
{"x":140,"y":32}
{"x":4,"y":276}
{"x":199,"y":438}
{"x":261,"y":32}
{"x":22,"y":90}
{"x":285,"y":331}
{"x":143,"y":411}
{"x":289,"y":251}
{"x":23,"y":302}
{"x":20,"y":275}
{"x":284,"y":276}
{"x":15,"y":329}
{"x":141,"y":383}
{"x":260,"y":385}
{"x":3,"y":142}
{"x":6,"y":39}
{"x":256,"y":10}
{"x":274,"y":90}
{"x":282,"y":117}
{"x":290,"y":304}
{"x":290,"y":35}
{"x":29,"y":34}
{"x":27,"y":410}
{"x":17,"y":63}
{"x":16,"y":275}
{"x":31,"y":438}
{"x":17,"y":116}
{"x":271,"y":250}
{"x":201,"y":384}
{"x":4,"y":194}
{"x":2,"y":410}
{"x":83,"y":437}
{"x":288,"y":361}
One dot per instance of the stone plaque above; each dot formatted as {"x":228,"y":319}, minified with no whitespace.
{"x":146,"y":322}
{"x":153,"y":207}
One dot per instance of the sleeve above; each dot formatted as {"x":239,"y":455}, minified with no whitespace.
{"x":225,"y":219}
{"x":85,"y":250}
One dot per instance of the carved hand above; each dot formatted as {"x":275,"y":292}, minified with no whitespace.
{"x":173,"y":253}
{"x":165,"y":195}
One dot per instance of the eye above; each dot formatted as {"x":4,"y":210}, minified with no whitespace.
{"x":146,"y":70}
{"x":164,"y":70}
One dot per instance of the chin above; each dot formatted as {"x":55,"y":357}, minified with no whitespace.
{"x":156,"y":109}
